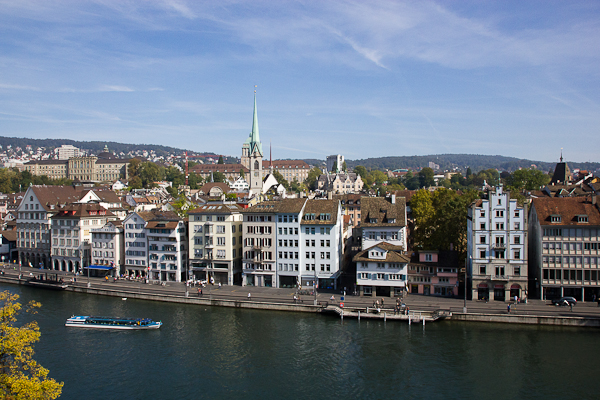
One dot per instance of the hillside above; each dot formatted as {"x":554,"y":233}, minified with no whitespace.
{"x":461,"y":162}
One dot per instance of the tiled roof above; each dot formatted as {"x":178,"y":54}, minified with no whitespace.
{"x":291,"y":206}
{"x":82,"y":210}
{"x":318,"y":207}
{"x":48,"y":162}
{"x":383,"y":211}
{"x":208,"y":186}
{"x":159,"y":224}
{"x":53,"y":195}
{"x":394,"y":254}
{"x":568,"y":208}
{"x":262,"y":208}
{"x":11,"y":236}
{"x":216,"y":209}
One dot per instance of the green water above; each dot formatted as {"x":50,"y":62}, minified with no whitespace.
{"x":219,"y":353}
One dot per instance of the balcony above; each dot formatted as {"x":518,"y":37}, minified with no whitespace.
{"x":500,"y":277}
{"x":501,"y":246}
{"x":257,"y":247}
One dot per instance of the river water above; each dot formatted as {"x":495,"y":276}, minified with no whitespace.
{"x":220,"y":353}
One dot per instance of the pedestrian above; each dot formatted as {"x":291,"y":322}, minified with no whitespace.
{"x":249,"y":295}
{"x":508,"y":308}
{"x":295,"y":299}
{"x":571,"y":306}
{"x":199,"y":292}
{"x":382,"y":302}
{"x":332,"y":298}
{"x":594,"y":298}
{"x":219,"y":285}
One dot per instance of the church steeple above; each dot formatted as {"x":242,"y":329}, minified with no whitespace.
{"x":255,"y":144}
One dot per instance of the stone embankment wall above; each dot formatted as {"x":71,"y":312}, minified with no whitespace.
{"x":528,"y":319}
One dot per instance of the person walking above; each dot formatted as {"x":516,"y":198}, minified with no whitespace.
{"x":249,"y":295}
{"x":508,"y":308}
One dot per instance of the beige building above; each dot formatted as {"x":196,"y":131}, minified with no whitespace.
{"x":71,"y":234}
{"x":215,"y":243}
{"x":101,"y":168}
{"x":340,"y":183}
{"x":564,"y":248}
{"x":259,"y":241}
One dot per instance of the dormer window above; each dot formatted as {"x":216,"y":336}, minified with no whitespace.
{"x":555,"y":218}
{"x":582,"y":218}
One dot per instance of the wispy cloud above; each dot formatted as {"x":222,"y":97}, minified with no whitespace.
{"x":115,"y":88}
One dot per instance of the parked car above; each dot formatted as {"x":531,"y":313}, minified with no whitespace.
{"x":564,"y":301}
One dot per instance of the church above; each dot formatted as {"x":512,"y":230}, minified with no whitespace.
{"x":252,"y":166}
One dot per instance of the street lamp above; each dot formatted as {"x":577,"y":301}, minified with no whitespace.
{"x":466,"y":278}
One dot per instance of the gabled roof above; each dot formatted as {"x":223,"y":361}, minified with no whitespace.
{"x":382,"y":211}
{"x":216,"y":209}
{"x":208,"y":186}
{"x":52,"y":196}
{"x":318,"y":207}
{"x":83,"y":210}
{"x":393,"y":254}
{"x":568,"y":208}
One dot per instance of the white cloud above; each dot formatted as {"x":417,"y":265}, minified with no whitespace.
{"x":115,"y":88}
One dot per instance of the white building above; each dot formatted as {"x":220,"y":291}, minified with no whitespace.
{"x":136,"y":243}
{"x":289,"y":245}
{"x":215,"y":243}
{"x":497,"y":247}
{"x":337,"y":160}
{"x":107,"y":246}
{"x":167,"y":247}
{"x":67,"y":151}
{"x":381,"y":266}
{"x":321,"y":234}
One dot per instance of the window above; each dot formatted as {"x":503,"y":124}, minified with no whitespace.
{"x":499,"y":213}
{"x":516,"y":213}
{"x":555,"y":218}
{"x":517,"y":254}
{"x":481,"y":253}
{"x":482,"y":213}
{"x":428,"y":257}
{"x":517,"y":226}
{"x":482,"y":239}
{"x":482,"y":226}
{"x":220,"y":241}
{"x":517,"y":271}
{"x":517,"y":240}
{"x":499,"y":226}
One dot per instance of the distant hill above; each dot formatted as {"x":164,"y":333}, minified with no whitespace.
{"x":476,"y":162}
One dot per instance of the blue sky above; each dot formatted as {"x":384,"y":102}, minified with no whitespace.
{"x":362,"y":79}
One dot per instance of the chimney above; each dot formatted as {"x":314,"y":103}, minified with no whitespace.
{"x":393,"y":199}
{"x":594,"y":199}
{"x":329,"y":195}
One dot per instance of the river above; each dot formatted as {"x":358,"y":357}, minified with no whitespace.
{"x":221,"y":353}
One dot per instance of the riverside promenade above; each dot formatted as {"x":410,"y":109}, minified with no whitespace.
{"x":421,"y":307}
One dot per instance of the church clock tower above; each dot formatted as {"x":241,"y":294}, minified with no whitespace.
{"x":252,"y":156}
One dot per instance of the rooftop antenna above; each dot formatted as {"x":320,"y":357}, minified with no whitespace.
{"x":561,"y":158}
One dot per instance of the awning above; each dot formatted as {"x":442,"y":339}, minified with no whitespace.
{"x":515,"y":286}
{"x":482,"y":285}
{"x":99,"y":267}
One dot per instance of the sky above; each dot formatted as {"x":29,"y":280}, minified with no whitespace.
{"x":357,"y":78}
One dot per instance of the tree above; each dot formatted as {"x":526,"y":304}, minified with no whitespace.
{"x":335,"y":167}
{"x":221,"y":160}
{"x":362,"y":171}
{"x":527,"y":179}
{"x":21,"y":377}
{"x":344,"y":167}
{"x":242,"y":173}
{"x":281,"y":180}
{"x":441,"y":219}
{"x":219,"y":177}
{"x":426,"y":177}
{"x":150,"y":173}
{"x":133,"y":168}
{"x":311,"y":179}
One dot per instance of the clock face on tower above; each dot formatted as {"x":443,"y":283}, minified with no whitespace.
{"x":256,"y":174}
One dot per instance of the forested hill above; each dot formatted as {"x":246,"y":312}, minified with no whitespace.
{"x":476,"y":162}
{"x":91,"y":147}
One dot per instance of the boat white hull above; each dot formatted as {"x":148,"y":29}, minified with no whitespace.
{"x":154,"y":326}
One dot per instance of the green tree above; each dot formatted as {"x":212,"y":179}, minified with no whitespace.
{"x":221,"y":160}
{"x":334,"y":168}
{"x":527,"y":179}
{"x":150,"y":173}
{"x":194,"y":180}
{"x":133,"y":169}
{"x":441,"y":219}
{"x":219,"y":177}
{"x":135,"y":183}
{"x":242,"y":173}
{"x":281,"y":180}
{"x":311,"y":180}
{"x":21,"y":377}
{"x":362,"y":171}
{"x":344,"y":167}
{"x":426,"y":177}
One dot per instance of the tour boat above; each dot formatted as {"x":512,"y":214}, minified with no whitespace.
{"x":112,"y":322}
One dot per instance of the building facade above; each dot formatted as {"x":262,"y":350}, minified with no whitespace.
{"x":107,"y":246}
{"x":497,"y":247}
{"x":381,"y":270}
{"x":564,"y":247}
{"x":340,"y":183}
{"x":215,"y":243}
{"x":259,"y":245}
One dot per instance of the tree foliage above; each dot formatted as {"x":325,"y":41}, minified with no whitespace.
{"x":527,"y":179}
{"x":441,"y":219}
{"x":281,"y":180}
{"x":13,"y":180}
{"x":21,"y":377}
{"x":311,"y":180}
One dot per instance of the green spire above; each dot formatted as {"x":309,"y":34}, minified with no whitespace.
{"x":255,"y":144}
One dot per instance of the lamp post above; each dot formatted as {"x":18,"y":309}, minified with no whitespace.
{"x":466,"y":278}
